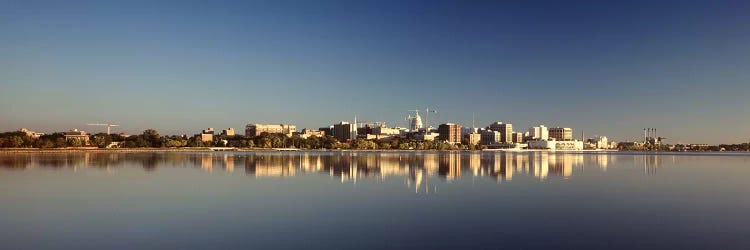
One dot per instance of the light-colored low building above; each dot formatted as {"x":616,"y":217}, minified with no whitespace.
{"x":385,"y":131}
{"x":426,"y":136}
{"x":78,"y":135}
{"x":30,"y":133}
{"x":555,"y":145}
{"x":257,"y":129}
{"x":307,"y":133}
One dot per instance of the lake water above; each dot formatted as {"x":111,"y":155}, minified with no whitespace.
{"x":371,"y":200}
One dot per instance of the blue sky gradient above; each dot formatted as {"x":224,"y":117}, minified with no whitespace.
{"x":610,"y":68}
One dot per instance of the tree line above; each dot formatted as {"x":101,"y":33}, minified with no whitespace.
{"x":151,"y":138}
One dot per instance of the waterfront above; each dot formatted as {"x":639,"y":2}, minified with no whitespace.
{"x":422,"y":200}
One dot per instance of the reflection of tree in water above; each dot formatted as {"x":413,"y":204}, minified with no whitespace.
{"x":16,"y":161}
{"x":414,"y":167}
{"x":149,"y":162}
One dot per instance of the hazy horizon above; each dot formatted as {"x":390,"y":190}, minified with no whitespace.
{"x":609,"y":68}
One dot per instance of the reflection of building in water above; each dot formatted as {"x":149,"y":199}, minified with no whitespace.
{"x":229,"y":163}
{"x":540,"y":164}
{"x":311,"y":163}
{"x":561,"y":164}
{"x":603,"y":161}
{"x":430,"y":163}
{"x":207,"y":162}
{"x":450,"y":166}
{"x":475,"y":164}
{"x":502,"y":167}
{"x":650,"y":164}
{"x":270,"y":165}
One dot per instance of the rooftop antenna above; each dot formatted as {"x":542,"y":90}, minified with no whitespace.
{"x":472,"y":121}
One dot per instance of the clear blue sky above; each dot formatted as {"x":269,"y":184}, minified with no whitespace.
{"x":611,"y":68}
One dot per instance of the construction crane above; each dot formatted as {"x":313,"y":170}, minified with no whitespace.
{"x":427,"y":118}
{"x":109,"y":126}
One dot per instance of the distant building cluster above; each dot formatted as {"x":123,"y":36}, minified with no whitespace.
{"x":496,"y":135}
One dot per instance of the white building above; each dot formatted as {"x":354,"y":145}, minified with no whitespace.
{"x":539,"y":133}
{"x":385,"y":131}
{"x":556,"y":145}
{"x":601,"y":142}
{"x":426,"y":136}
{"x":415,"y":122}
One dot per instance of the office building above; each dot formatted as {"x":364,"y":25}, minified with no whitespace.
{"x":561,"y":134}
{"x":257,"y":129}
{"x":207,"y":135}
{"x":450,"y":133}
{"x":490,"y":137}
{"x":474,"y":138}
{"x":345,"y":131}
{"x":505,"y":130}
{"x":326,"y":130}
{"x":228,"y":132}
{"x":555,"y":145}
{"x":539,"y":133}
{"x":77,"y":135}
{"x":517,"y":137}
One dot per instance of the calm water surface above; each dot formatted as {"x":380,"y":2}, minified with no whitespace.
{"x":373,"y":200}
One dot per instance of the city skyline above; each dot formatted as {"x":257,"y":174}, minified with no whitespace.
{"x":607,"y":68}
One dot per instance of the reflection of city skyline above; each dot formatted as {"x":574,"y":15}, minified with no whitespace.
{"x":345,"y":166}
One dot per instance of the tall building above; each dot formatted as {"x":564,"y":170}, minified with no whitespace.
{"x":474,"y":138}
{"x":228,"y":132}
{"x":539,"y":133}
{"x":490,"y":137}
{"x":505,"y":129}
{"x":517,"y":137}
{"x":345,"y":131}
{"x":327,"y":130}
{"x":257,"y":129}
{"x":207,"y":135}
{"x":561,"y":134}
{"x":450,"y":133}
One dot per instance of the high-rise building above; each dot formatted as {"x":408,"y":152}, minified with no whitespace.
{"x":327,"y":130}
{"x":207,"y":135}
{"x":561,"y":134}
{"x":257,"y":129}
{"x":228,"y":132}
{"x":474,"y":138}
{"x":517,"y":137}
{"x":345,"y":131}
{"x":490,"y":137}
{"x":539,"y":133}
{"x":505,"y":129}
{"x":450,"y":133}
